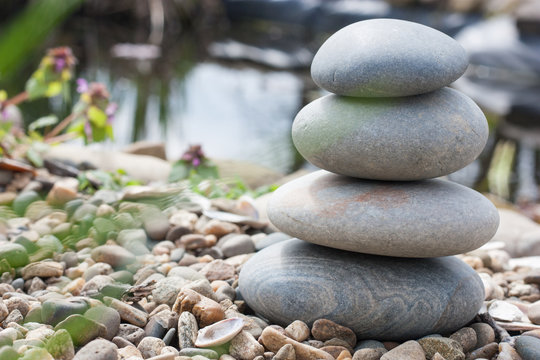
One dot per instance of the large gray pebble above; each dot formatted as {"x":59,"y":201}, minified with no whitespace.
{"x":387,"y":58}
{"x":528,"y":347}
{"x":378,"y":297}
{"x":98,"y":350}
{"x":409,"y":138}
{"x":407,"y":219}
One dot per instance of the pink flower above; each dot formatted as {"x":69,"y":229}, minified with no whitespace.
{"x":82,"y":86}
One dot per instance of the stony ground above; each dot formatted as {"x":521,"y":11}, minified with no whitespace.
{"x":152,"y":273}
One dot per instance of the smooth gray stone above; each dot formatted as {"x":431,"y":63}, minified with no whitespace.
{"x":410,"y":138}
{"x":378,"y":297}
{"x":387,"y":58}
{"x":528,"y":347}
{"x":406,"y":219}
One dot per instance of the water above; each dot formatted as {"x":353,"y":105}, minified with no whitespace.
{"x":242,"y":114}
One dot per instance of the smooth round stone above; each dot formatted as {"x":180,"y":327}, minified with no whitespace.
{"x":406,"y":219}
{"x":387,"y":58}
{"x":378,"y":297}
{"x":408,"y":138}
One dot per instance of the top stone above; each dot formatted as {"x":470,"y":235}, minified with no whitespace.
{"x":387,"y":58}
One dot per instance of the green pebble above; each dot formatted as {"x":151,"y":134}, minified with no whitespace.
{"x":50,"y":242}
{"x":5,"y":340}
{"x":60,"y":345}
{"x":61,"y":231}
{"x":8,"y":353}
{"x":72,"y":205}
{"x":34,"y":315}
{"x":122,"y":276}
{"x":36,"y":354}
{"x":81,"y":329}
{"x":114,"y":290}
{"x":29,"y":245}
{"x":84,"y":211}
{"x":211,"y":354}
{"x":23,"y":200}
{"x":17,"y":344}
{"x":15,"y":254}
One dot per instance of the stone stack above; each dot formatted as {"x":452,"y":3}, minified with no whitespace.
{"x":387,"y":228}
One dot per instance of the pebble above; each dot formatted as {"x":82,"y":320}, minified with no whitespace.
{"x":14,"y":254}
{"x":130,"y":333}
{"x":270,"y":240}
{"x":187,"y":330}
{"x":274,"y":340}
{"x":410,"y":350}
{"x":387,"y":58}
{"x":219,"y":333}
{"x":354,"y":212}
{"x":354,"y":137}
{"x":42,"y":269}
{"x":298,"y":330}
{"x":150,"y":346}
{"x":166,"y":290}
{"x":369,"y":354}
{"x":324,"y":329}
{"x":113,"y":255}
{"x":487,"y":351}
{"x":237,"y":245}
{"x":245,"y":347}
{"x":342,"y":276}
{"x":106,"y":316}
{"x":127,"y":313}
{"x":54,"y":311}
{"x":98,"y":350}
{"x":285,"y":353}
{"x":448,"y":348}
{"x":504,"y":311}
{"x":193,"y":352}
{"x":484,"y":334}
{"x":60,"y":345}
{"x":206,"y":310}
{"x":528,"y":347}
{"x":507,"y":352}
{"x":466,"y":337}
{"x":218,"y":270}
{"x":534,"y":313}
{"x":81,"y":329}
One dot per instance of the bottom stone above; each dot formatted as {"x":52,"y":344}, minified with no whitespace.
{"x":383,"y":298}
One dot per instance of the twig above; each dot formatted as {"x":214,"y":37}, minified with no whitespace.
{"x":61,"y":126}
{"x":61,"y":138}
{"x":17,"y":99}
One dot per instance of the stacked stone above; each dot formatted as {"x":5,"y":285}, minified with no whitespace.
{"x":387,"y":228}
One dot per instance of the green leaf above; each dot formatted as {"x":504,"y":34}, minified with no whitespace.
{"x":34,"y":157}
{"x":179,"y":171}
{"x":207,"y":171}
{"x":97,"y":116}
{"x":43,"y":122}
{"x":35,"y":88}
{"x":109,"y":131}
{"x":53,"y":88}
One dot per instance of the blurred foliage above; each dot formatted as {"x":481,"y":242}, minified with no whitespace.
{"x":30,"y":28}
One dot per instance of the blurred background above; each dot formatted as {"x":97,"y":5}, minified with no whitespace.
{"x":232,"y":74}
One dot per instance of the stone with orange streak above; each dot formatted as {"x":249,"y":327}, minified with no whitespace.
{"x":206,"y":310}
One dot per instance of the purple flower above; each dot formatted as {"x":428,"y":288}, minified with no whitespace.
{"x":110,"y":111}
{"x":82,"y":86}
{"x":196,"y":162}
{"x":59,"y":64}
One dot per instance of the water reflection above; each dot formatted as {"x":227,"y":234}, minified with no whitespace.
{"x":242,"y":114}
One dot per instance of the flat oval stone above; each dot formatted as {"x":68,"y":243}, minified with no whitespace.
{"x":406,"y":219}
{"x":387,"y":58}
{"x":378,"y":297}
{"x":408,"y":138}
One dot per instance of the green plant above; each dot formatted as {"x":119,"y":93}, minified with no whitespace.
{"x":90,"y":118}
